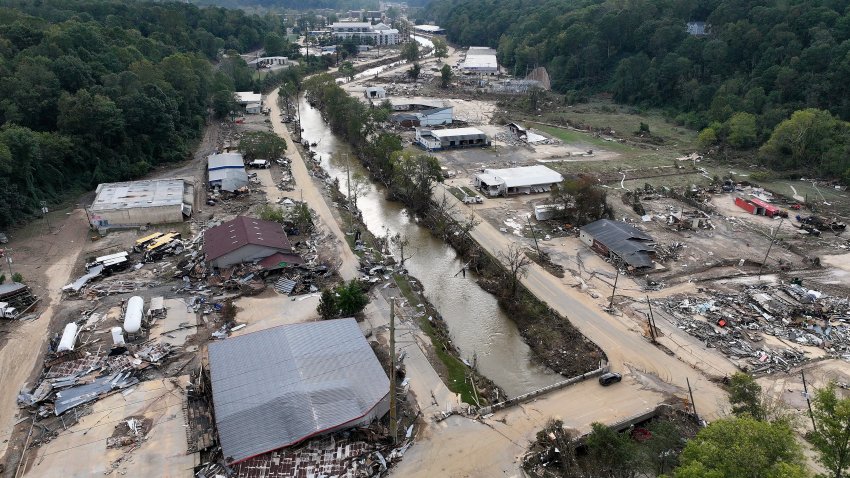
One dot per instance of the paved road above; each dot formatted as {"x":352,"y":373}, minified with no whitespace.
{"x":311,"y":194}
{"x":23,"y":351}
{"x":620,"y":338}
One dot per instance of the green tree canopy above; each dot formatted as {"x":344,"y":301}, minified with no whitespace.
{"x":261,"y":145}
{"x":742,"y":448}
{"x":832,"y":437}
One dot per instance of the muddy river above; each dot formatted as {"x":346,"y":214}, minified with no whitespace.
{"x":477,"y":325}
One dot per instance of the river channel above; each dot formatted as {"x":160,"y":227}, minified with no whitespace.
{"x":477,"y":324}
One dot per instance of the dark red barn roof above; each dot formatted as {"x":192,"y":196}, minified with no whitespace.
{"x":231,"y":235}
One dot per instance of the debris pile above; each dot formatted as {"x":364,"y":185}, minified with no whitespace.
{"x":736,"y":324}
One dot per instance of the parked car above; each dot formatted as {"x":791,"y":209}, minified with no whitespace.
{"x":472,"y":200}
{"x":608,"y":378}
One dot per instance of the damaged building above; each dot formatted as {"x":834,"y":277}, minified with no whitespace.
{"x":620,"y":242}
{"x":247,"y":239}
{"x":137,"y":203}
{"x":522,"y":180}
{"x":428,"y":117}
{"x":280,"y":386}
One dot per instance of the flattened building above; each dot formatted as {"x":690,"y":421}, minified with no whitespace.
{"x":247,"y":239}
{"x":619,"y":241}
{"x":137,"y":203}
{"x":281,"y":386}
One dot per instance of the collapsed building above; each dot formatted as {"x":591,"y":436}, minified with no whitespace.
{"x":620,"y":242}
{"x":280,"y":386}
{"x":138,"y":203}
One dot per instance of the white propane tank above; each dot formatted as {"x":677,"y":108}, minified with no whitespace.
{"x":133,"y":314}
{"x":117,"y":336}
{"x":69,"y":337}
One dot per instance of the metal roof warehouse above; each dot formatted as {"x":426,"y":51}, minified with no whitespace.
{"x":280,"y":386}
{"x":227,"y":171}
{"x":620,"y":240}
{"x":156,"y":201}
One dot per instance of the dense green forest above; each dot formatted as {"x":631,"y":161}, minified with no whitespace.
{"x":101,"y":90}
{"x":758,"y":63}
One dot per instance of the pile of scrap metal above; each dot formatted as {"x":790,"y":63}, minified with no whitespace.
{"x":246,"y":278}
{"x":72,"y":376}
{"x":816,"y":224}
{"x":736,"y":323}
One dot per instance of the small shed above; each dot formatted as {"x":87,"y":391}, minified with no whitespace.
{"x":375,"y":92}
{"x":253,"y":108}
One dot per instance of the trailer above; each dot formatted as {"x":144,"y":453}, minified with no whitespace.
{"x":166,"y":244}
{"x":7,"y":312}
{"x":140,"y":244}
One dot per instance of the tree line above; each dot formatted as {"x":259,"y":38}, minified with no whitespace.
{"x":409,"y":177}
{"x":752,"y":66}
{"x":95,"y":91}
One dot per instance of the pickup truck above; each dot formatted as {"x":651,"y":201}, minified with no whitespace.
{"x":472,"y":200}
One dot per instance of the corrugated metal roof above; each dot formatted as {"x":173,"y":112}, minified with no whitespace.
{"x":278,"y":386}
{"x":225,"y":160}
{"x":626,"y":241}
{"x":138,"y":194}
{"x":524,"y":176}
{"x":241,"y":231}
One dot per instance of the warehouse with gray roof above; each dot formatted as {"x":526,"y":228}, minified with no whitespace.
{"x":620,"y":241}
{"x":137,"y":203}
{"x":283,"y":385}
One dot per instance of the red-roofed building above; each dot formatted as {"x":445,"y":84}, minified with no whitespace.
{"x":247,"y":239}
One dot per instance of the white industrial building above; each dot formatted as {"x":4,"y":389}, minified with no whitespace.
{"x":137,"y":203}
{"x":434,"y":139}
{"x":379,"y":34}
{"x":480,"y":61}
{"x":226,"y":171}
{"x":522,"y":180}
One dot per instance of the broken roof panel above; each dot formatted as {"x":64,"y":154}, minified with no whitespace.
{"x":279,"y":386}
{"x":626,"y":241}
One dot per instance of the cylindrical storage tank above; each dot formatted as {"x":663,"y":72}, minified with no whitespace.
{"x":69,"y":337}
{"x":117,"y":336}
{"x":133,"y":314}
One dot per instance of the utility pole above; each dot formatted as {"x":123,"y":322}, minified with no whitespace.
{"x":348,"y":185}
{"x":9,"y":262}
{"x":611,"y":302}
{"x":693,"y":404}
{"x":809,"y":402}
{"x":534,"y":235}
{"x":772,"y":239}
{"x":393,"y":417}
{"x":651,"y":319}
